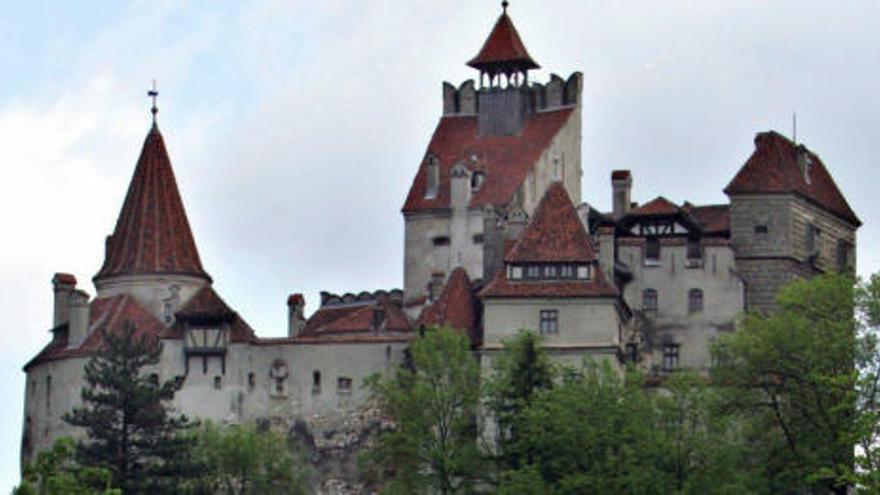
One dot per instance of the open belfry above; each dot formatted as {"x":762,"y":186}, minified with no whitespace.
{"x":497,"y":238}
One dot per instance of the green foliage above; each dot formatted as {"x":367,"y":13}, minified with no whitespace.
{"x":519,"y":373}
{"x":130,"y":430}
{"x":433,"y":446}
{"x":242,"y":459}
{"x":795,"y":378}
{"x":56,"y":472}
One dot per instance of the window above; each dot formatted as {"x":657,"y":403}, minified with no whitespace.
{"x":440,"y":240}
{"x":761,"y":230}
{"x":550,"y":271}
{"x":533,"y":271}
{"x":478,"y":238}
{"x":695,"y":300}
{"x":652,"y":250}
{"x":566,"y":271}
{"x":316,"y":382}
{"x":218,"y":382}
{"x":632,"y":352}
{"x":694,"y":250}
{"x":49,"y":392}
{"x":516,"y":272}
{"x":844,"y":252}
{"x":549,"y":321}
{"x":343,"y":385}
{"x":477,"y":180}
{"x":649,"y":301}
{"x":812,"y":239}
{"x":670,"y":357}
{"x":584,"y":272}
{"x":252,"y":380}
{"x":387,"y":353}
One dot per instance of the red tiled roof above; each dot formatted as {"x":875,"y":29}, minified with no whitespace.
{"x":555,"y":233}
{"x":503,"y":47}
{"x":505,"y":160}
{"x":774,"y":168}
{"x":107,"y":313}
{"x":658,"y":206}
{"x":457,"y":307}
{"x":152,"y":234}
{"x":354,"y":319}
{"x":501,"y":286}
{"x":206,"y":303}
{"x":712,"y":218}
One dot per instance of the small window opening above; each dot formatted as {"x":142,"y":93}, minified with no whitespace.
{"x":440,"y":240}
{"x":695,"y":300}
{"x":844,"y":253}
{"x":343,"y":385}
{"x":533,"y":271}
{"x":478,"y":238}
{"x":49,"y":392}
{"x":549,"y":321}
{"x":279,"y":385}
{"x":694,"y":250}
{"x":252,"y":380}
{"x":632,"y":352}
{"x":387,"y":353}
{"x":649,"y":300}
{"x":218,"y":382}
{"x":761,"y":230}
{"x":316,"y":382}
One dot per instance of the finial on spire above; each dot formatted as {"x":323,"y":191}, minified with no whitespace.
{"x":504,"y":5}
{"x":154,"y":93}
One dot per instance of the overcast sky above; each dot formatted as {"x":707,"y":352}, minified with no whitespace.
{"x":295,"y":128}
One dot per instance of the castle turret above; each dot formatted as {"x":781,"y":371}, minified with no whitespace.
{"x":152,"y":254}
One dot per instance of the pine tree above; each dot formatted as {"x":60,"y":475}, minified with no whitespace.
{"x":131,"y":431}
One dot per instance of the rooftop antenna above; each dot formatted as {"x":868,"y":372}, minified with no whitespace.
{"x":794,"y":127}
{"x":504,"y":5}
{"x":154,"y":93}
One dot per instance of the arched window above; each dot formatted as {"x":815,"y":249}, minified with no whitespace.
{"x":695,"y":300}
{"x":649,"y":300}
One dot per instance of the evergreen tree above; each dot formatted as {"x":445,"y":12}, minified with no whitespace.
{"x":56,"y":472}
{"x":130,"y":430}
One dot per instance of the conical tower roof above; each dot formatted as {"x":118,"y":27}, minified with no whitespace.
{"x":152,"y":235}
{"x":503,"y":50}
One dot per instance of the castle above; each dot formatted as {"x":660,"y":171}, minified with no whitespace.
{"x":497,"y":239}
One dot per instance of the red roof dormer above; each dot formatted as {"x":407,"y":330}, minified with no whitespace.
{"x":503,"y":51}
{"x":152,"y":234}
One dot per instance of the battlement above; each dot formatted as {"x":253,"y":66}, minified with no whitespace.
{"x":394,"y":296}
{"x":537,"y":97}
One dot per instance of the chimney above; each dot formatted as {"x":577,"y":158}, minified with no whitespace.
{"x":295,"y":320}
{"x":493,"y":243}
{"x":62,"y":285}
{"x":621,"y":188}
{"x":460,"y":186}
{"x":78,"y":302}
{"x":606,"y":250}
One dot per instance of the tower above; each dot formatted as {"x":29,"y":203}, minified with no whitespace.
{"x":788,"y":219}
{"x":497,"y":148}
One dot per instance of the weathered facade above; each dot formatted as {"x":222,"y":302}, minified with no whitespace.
{"x":496,"y":239}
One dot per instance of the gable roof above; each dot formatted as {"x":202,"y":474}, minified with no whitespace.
{"x":503,"y":47}
{"x":658,"y":206}
{"x":106,"y":314}
{"x":554,"y":234}
{"x":152,"y":234}
{"x":206,"y":303}
{"x":774,"y":168}
{"x":713,"y":219}
{"x":457,"y":307}
{"x":505,"y":161}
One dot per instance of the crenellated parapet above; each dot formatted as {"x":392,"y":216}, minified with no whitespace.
{"x":537,"y":97}
{"x":394,"y":296}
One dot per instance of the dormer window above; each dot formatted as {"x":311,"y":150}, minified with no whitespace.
{"x":432,"y":181}
{"x":477,"y":180}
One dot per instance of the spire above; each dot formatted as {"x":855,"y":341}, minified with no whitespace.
{"x":154,"y":93}
{"x":152,"y":235}
{"x":503,"y":52}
